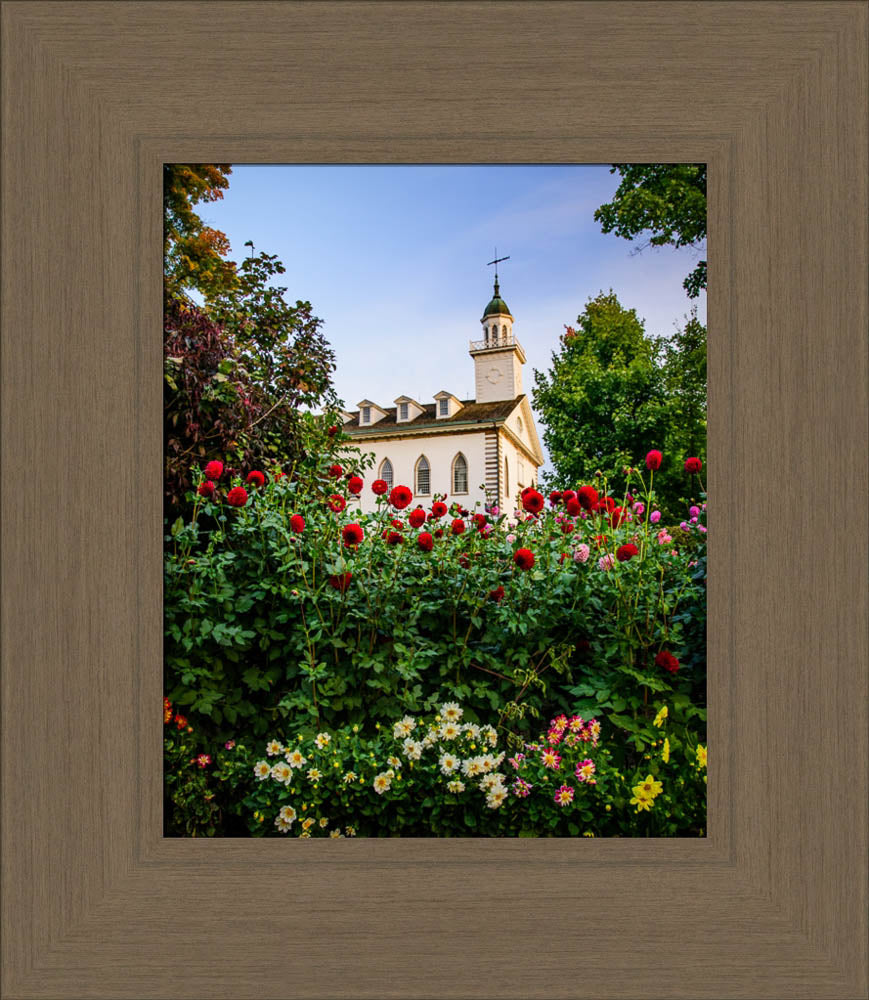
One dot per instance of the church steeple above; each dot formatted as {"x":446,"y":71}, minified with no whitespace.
{"x":498,"y":357}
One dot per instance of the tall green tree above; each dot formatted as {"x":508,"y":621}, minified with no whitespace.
{"x":613,"y":393}
{"x":667,"y":201}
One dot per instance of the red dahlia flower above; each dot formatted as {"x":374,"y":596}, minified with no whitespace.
{"x":524,"y":558}
{"x":255,"y":479}
{"x":568,"y":495}
{"x":237,"y":496}
{"x":335,"y":471}
{"x":394,"y":538}
{"x":279,"y":475}
{"x":567,"y":527}
{"x":554,"y":497}
{"x":336,"y":503}
{"x":297,"y":523}
{"x":573,"y":507}
{"x":464,"y":562}
{"x":425,"y":541}
{"x":458,"y":526}
{"x":332,"y":431}
{"x":438,"y":508}
{"x":352,"y":534}
{"x":379,"y":487}
{"x":626,"y":552}
{"x":479,"y":520}
{"x":532,"y":501}
{"x":355,"y":484}
{"x":693,"y":465}
{"x":400,"y":497}
{"x":206,"y":489}
{"x":588,"y":497}
{"x":203,"y":760}
{"x":497,"y":595}
{"x":439,"y":533}
{"x":653,"y":460}
{"x":214,"y":470}
{"x":416,"y":517}
{"x":606,"y":505}
{"x":617,"y":516}
{"x":667,"y":661}
{"x":180,"y":721}
{"x":340,"y":581}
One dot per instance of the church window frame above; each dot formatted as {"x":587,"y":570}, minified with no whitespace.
{"x":459,"y":469}
{"x":386,"y":473}
{"x":422,"y":477}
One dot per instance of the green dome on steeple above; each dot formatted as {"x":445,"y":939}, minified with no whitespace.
{"x":497,"y":304}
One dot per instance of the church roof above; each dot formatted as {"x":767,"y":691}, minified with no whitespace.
{"x":470,"y":413}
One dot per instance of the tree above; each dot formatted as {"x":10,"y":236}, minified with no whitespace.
{"x":667,"y":200}
{"x":613,"y":394}
{"x":193,"y":253}
{"x":602,"y":402}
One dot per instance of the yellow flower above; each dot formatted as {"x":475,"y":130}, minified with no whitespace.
{"x":588,"y":833}
{"x":648,"y":787}
{"x":641,"y":802}
{"x":659,"y":718}
{"x":608,"y":807}
{"x":665,"y":753}
{"x":701,"y":756}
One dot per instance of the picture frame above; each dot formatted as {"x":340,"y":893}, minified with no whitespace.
{"x":96,"y":96}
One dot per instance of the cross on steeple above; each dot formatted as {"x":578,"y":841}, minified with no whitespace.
{"x":496,"y":262}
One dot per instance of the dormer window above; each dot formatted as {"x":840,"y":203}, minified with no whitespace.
{"x":366,"y":414}
{"x":403,"y":411}
{"x":444,"y":407}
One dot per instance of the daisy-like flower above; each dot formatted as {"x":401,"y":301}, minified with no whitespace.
{"x":490,"y":735}
{"x":641,"y":801}
{"x":471,"y":730}
{"x":648,"y":787}
{"x":472,"y":767}
{"x":455,"y":786}
{"x":350,"y":831}
{"x":322,"y":740}
{"x":491,"y":781}
{"x":350,"y":777}
{"x":382,"y":783}
{"x":305,"y":835}
{"x":451,"y":712}
{"x":449,"y":763}
{"x":515,"y":760}
{"x":576,"y":724}
{"x":262,"y":769}
{"x":323,"y":822}
{"x":288,"y":813}
{"x":449,"y":731}
{"x":404,"y":727}
{"x":488,"y":762}
{"x":585,"y":769}
{"x":564,"y":795}
{"x":665,"y":753}
{"x":551,"y":758}
{"x":393,"y":761}
{"x":412,"y":749}
{"x":659,"y":718}
{"x":431,"y":737}
{"x":496,"y":797}
{"x":295,"y":758}
{"x":308,"y":823}
{"x":274,"y":748}
{"x":314,"y":774}
{"x":594,"y":729}
{"x":336,"y":835}
{"x":283,"y":824}
{"x":559,"y":723}
{"x":521,"y":788}
{"x":282,"y":772}
{"x":701,"y":756}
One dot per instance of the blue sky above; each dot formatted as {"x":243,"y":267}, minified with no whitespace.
{"x":393,"y":259}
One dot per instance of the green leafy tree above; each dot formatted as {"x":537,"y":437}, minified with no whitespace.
{"x":194,"y":255}
{"x":602,"y":402}
{"x":666,"y":200}
{"x":684,"y":361}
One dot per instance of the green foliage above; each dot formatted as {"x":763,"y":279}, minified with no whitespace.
{"x":667,"y":200}
{"x":612,"y":394}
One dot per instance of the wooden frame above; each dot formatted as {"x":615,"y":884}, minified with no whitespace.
{"x":95,"y":96}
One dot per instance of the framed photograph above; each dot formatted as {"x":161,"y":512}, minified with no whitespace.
{"x":98,"y":900}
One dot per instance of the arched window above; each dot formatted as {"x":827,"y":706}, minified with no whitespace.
{"x":386,"y":472}
{"x":460,"y":474}
{"x":423,"y":477}
{"x":506,"y":478}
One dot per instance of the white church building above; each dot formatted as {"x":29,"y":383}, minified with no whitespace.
{"x":472,"y":450}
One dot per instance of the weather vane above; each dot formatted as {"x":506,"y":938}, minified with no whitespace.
{"x":496,"y":262}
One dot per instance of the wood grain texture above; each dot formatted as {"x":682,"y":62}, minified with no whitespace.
{"x":95,"y":97}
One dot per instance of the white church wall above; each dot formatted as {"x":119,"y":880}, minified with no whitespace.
{"x":440,"y":450}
